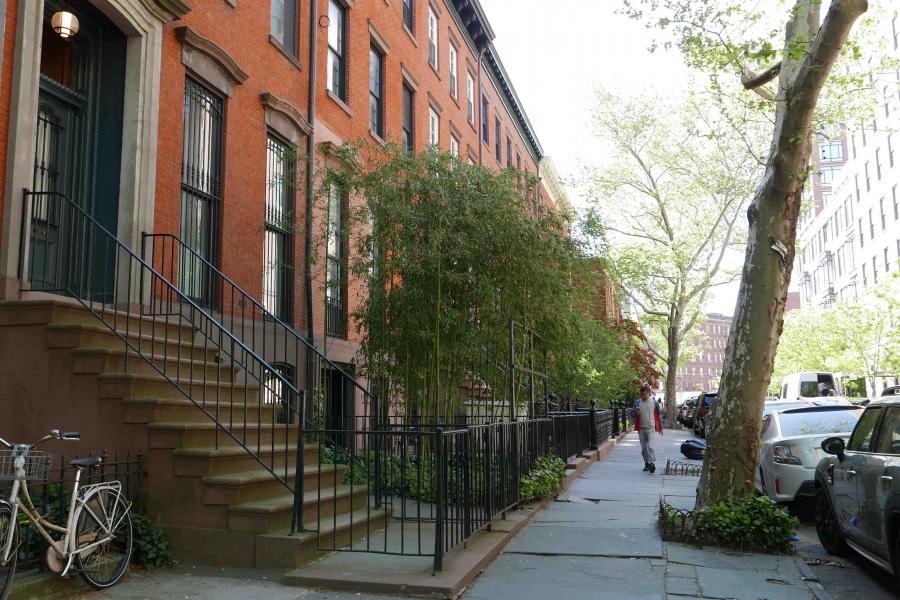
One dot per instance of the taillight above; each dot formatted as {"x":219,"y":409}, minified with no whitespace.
{"x":777,"y":486}
{"x":783,"y":455}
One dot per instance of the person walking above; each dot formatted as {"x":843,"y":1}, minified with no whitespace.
{"x":646,"y":415}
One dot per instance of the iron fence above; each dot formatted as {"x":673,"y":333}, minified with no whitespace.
{"x":52,"y":497}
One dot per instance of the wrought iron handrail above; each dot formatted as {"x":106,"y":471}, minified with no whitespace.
{"x":243,"y":298}
{"x":86,"y":265}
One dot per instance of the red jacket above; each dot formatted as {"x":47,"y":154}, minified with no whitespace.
{"x":636,"y":413}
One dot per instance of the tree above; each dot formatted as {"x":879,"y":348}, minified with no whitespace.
{"x":861,"y":337}
{"x":707,"y":35}
{"x":669,"y":203}
{"x":444,"y":255}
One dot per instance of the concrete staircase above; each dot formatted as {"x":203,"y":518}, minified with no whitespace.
{"x":218,"y":503}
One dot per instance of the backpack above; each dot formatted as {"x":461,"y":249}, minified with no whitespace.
{"x":693,"y":449}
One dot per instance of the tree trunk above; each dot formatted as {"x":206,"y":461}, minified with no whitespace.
{"x":674,"y":351}
{"x":731,"y":457}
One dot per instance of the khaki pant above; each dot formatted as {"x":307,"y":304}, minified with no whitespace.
{"x":647,"y":445}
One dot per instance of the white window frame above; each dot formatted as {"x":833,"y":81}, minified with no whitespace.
{"x":470,"y":96}
{"x":452,"y":58}
{"x":432,"y":38}
{"x":454,"y":146}
{"x":434,"y":128}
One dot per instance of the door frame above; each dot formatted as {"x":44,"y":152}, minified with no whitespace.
{"x":142,"y":22}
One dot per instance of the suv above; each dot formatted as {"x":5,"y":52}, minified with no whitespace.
{"x":702,"y":412}
{"x":857,"y":489}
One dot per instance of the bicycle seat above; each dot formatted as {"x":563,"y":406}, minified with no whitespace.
{"x":90,"y":461}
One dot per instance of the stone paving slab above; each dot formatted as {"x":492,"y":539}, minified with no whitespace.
{"x":525,"y":577}
{"x":718,"y":559}
{"x":575,"y":541}
{"x":686,"y":586}
{"x":750,"y":585}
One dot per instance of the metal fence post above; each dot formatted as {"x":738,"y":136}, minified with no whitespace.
{"x":441,"y":493}
{"x":299,"y":467}
{"x":594,"y":437}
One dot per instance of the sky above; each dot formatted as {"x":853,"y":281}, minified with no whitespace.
{"x":557,"y":53}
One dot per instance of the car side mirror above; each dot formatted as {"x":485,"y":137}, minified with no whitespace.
{"x":835,"y":446}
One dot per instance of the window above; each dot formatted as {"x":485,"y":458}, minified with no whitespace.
{"x":871,"y":226}
{"x":434,"y":128}
{"x":881,"y":208}
{"x":878,"y":163}
{"x":408,"y":99}
{"x":827,"y":175}
{"x":831,"y":150}
{"x":334,"y":284}
{"x":283,"y":24}
{"x":862,"y":238}
{"x":277,"y":394}
{"x":856,"y":185}
{"x":887,"y":264}
{"x":853,"y":144}
{"x":408,"y":15}
{"x":432,"y":38}
{"x":499,"y":149}
{"x":278,"y":250}
{"x":874,"y":270}
{"x":889,"y":433}
{"x":201,"y":187}
{"x":896,"y":206}
{"x":890,"y":145}
{"x":868,"y":178}
{"x":470,"y":97}
{"x":454,"y":146}
{"x":508,"y":152}
{"x":485,"y":134}
{"x":451,"y":59}
{"x":376,"y":92}
{"x":336,"y":45}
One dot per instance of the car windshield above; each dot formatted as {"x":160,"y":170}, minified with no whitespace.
{"x":815,"y":422}
{"x":809,"y":389}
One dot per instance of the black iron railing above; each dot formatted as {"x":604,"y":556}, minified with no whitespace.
{"x":241,"y":393}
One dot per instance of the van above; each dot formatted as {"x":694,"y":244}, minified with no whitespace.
{"x":807,"y":385}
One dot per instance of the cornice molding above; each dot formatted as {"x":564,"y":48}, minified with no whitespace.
{"x":168,"y":10}
{"x":192,"y":39}
{"x":287,"y":110}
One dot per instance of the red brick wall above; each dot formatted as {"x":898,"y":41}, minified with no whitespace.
{"x":243,"y":33}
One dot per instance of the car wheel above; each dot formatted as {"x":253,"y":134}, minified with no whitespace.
{"x":827,"y":525}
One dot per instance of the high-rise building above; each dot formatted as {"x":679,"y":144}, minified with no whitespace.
{"x":705,"y":369}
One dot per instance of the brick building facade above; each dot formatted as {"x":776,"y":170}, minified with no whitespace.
{"x":197,"y":101}
{"x":704,"y":370}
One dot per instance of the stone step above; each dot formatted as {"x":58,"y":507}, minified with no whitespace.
{"x":260,"y":437}
{"x":127,"y":385}
{"x":182,"y":410}
{"x":67,"y":311}
{"x":69,"y":335}
{"x":281,"y":550}
{"x":224,"y":460}
{"x":112,"y":360}
{"x":251,"y":486}
{"x":274,"y":514}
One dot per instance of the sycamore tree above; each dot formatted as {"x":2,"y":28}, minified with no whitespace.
{"x":669,"y":204}
{"x":784,"y":55}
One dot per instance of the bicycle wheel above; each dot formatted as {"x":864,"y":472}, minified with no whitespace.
{"x":104,"y":564}
{"x":8,"y":569}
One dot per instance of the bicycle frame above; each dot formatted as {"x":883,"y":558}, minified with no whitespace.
{"x":65,"y":547}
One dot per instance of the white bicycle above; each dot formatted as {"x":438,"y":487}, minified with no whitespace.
{"x":96,"y":540}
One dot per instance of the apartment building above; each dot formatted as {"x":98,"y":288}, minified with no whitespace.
{"x":703,"y":371}
{"x":849,"y":234}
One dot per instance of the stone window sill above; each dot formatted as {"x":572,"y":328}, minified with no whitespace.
{"x":339,"y":102}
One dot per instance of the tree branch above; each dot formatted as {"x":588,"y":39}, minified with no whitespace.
{"x":751,"y":81}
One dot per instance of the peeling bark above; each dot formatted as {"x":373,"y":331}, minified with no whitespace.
{"x":731,"y":457}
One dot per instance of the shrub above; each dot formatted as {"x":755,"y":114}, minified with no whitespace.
{"x":751,"y":523}
{"x":545,"y":478}
{"x":151,"y":546}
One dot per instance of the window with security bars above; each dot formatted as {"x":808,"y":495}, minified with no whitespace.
{"x":201,"y":188}
{"x":335,"y":301}
{"x":278,"y":395}
{"x":278,"y":250}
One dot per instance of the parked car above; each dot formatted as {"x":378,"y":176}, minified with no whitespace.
{"x":791,"y":447}
{"x":796,"y":386}
{"x":857,"y":488}
{"x":771,"y":406}
{"x":685,"y":408}
{"x":704,"y":405}
{"x":893,"y":390}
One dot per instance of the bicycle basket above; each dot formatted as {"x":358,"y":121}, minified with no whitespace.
{"x":37,"y":466}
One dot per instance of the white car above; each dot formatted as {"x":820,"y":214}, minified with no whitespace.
{"x":791,"y":447}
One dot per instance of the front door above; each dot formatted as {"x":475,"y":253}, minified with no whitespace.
{"x":78,"y":147}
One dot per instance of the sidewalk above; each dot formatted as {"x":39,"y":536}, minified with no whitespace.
{"x":597,"y":542}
